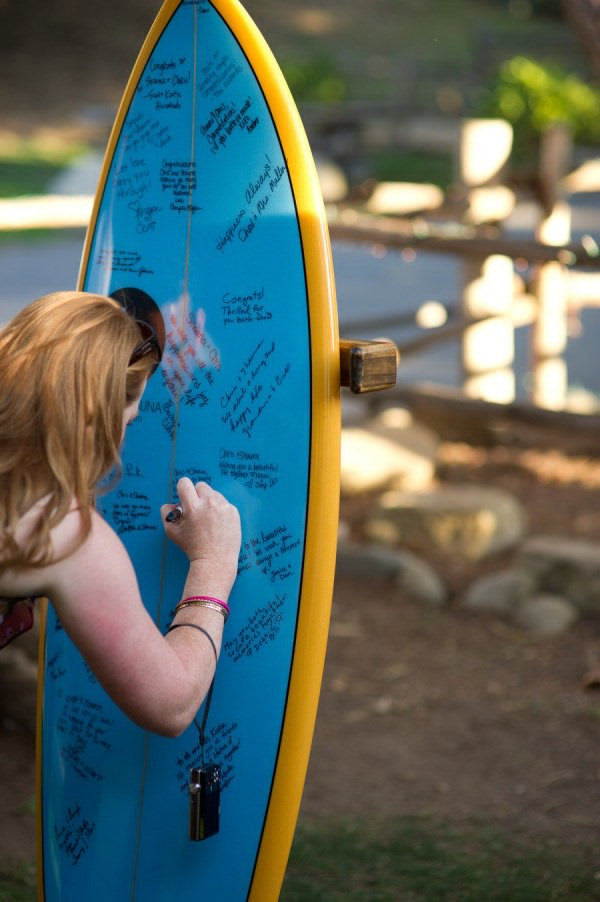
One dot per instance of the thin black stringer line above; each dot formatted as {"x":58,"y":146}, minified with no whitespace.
{"x":174,"y":437}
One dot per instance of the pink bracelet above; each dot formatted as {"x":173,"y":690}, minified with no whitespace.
{"x":190,"y":599}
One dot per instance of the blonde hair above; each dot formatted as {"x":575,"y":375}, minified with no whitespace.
{"x":65,"y":380}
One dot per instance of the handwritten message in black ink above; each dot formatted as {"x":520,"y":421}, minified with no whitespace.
{"x":90,"y":675}
{"x":131,"y":511}
{"x":259,"y":379}
{"x":222,"y":746}
{"x":165,"y":410}
{"x":226,"y":119}
{"x":133,"y":471}
{"x":123,"y":261}
{"x":218,"y":74}
{"x":249,"y":468}
{"x":178,"y":178}
{"x":165,"y":82}
{"x":73,"y":836}
{"x":85,"y":731}
{"x":257,"y":197}
{"x":133,"y":179}
{"x":270,"y":551}
{"x":145,"y":216}
{"x":55,"y":666}
{"x":144,"y":131}
{"x":243,"y":307}
{"x":261,"y":629}
{"x":196,"y":474}
{"x":58,"y":627}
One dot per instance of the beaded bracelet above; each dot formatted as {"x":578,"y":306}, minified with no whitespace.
{"x":205,"y":601}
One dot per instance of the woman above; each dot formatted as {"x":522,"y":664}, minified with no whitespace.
{"x":73,"y":367}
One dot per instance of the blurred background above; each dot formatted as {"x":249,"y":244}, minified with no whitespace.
{"x":385,"y":89}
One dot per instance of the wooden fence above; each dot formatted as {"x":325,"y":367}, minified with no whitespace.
{"x":493,"y":301}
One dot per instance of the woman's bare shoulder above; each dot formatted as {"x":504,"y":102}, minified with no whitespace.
{"x":67,"y":545}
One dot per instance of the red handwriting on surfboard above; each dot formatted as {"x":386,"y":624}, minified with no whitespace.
{"x":190,"y":356}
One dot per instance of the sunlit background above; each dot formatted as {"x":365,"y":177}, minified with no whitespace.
{"x":385,"y":88}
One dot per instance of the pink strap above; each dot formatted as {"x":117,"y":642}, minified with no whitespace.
{"x":212,"y":598}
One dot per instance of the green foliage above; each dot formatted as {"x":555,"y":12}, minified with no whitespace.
{"x":28,"y":166}
{"x":533,"y":96}
{"x":28,"y":177}
{"x":425,"y":859}
{"x":18,"y":884}
{"x":316,"y":79}
{"x":413,"y":166}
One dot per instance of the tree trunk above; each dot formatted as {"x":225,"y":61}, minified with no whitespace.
{"x":584,"y":16}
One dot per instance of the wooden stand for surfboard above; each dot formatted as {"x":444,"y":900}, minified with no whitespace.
{"x":209,"y":204}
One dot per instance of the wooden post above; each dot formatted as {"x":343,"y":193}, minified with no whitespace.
{"x":487,"y":282}
{"x":549,"y":339}
{"x":488,"y":346}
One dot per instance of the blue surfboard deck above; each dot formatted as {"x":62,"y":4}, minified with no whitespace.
{"x":208,"y":202}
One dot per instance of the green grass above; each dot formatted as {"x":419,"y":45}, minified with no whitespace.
{"x":26,"y":177}
{"x":413,"y":166}
{"x":413,"y":859}
{"x":27,"y":166}
{"x":37,"y":236}
{"x":422,"y":859}
{"x":18,"y":884}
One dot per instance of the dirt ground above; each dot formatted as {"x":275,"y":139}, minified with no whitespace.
{"x":458,"y":715}
{"x":443,"y":712}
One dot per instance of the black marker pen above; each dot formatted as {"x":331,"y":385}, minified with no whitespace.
{"x":175,"y":515}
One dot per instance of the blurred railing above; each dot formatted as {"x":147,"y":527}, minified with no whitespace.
{"x":494,"y":297}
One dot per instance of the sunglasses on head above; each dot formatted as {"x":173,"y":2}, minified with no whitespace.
{"x":148,"y":345}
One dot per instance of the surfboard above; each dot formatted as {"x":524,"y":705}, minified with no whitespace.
{"x":208,"y":204}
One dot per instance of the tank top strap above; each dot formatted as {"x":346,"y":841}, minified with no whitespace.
{"x":16,"y":617}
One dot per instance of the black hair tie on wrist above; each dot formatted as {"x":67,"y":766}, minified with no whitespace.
{"x":195,"y":626}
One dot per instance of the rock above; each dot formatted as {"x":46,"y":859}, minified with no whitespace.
{"x":472,"y":522}
{"x":546,"y":615}
{"x":366,"y":560}
{"x":513,"y":594}
{"x":566,"y":567}
{"x":420,"y":582}
{"x":499,"y":593}
{"x":414,"y":577}
{"x":380,"y":457}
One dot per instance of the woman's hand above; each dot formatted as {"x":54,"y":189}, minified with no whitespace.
{"x":209,"y":530}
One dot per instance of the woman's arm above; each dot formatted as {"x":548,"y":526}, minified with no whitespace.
{"x":158,"y":681}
